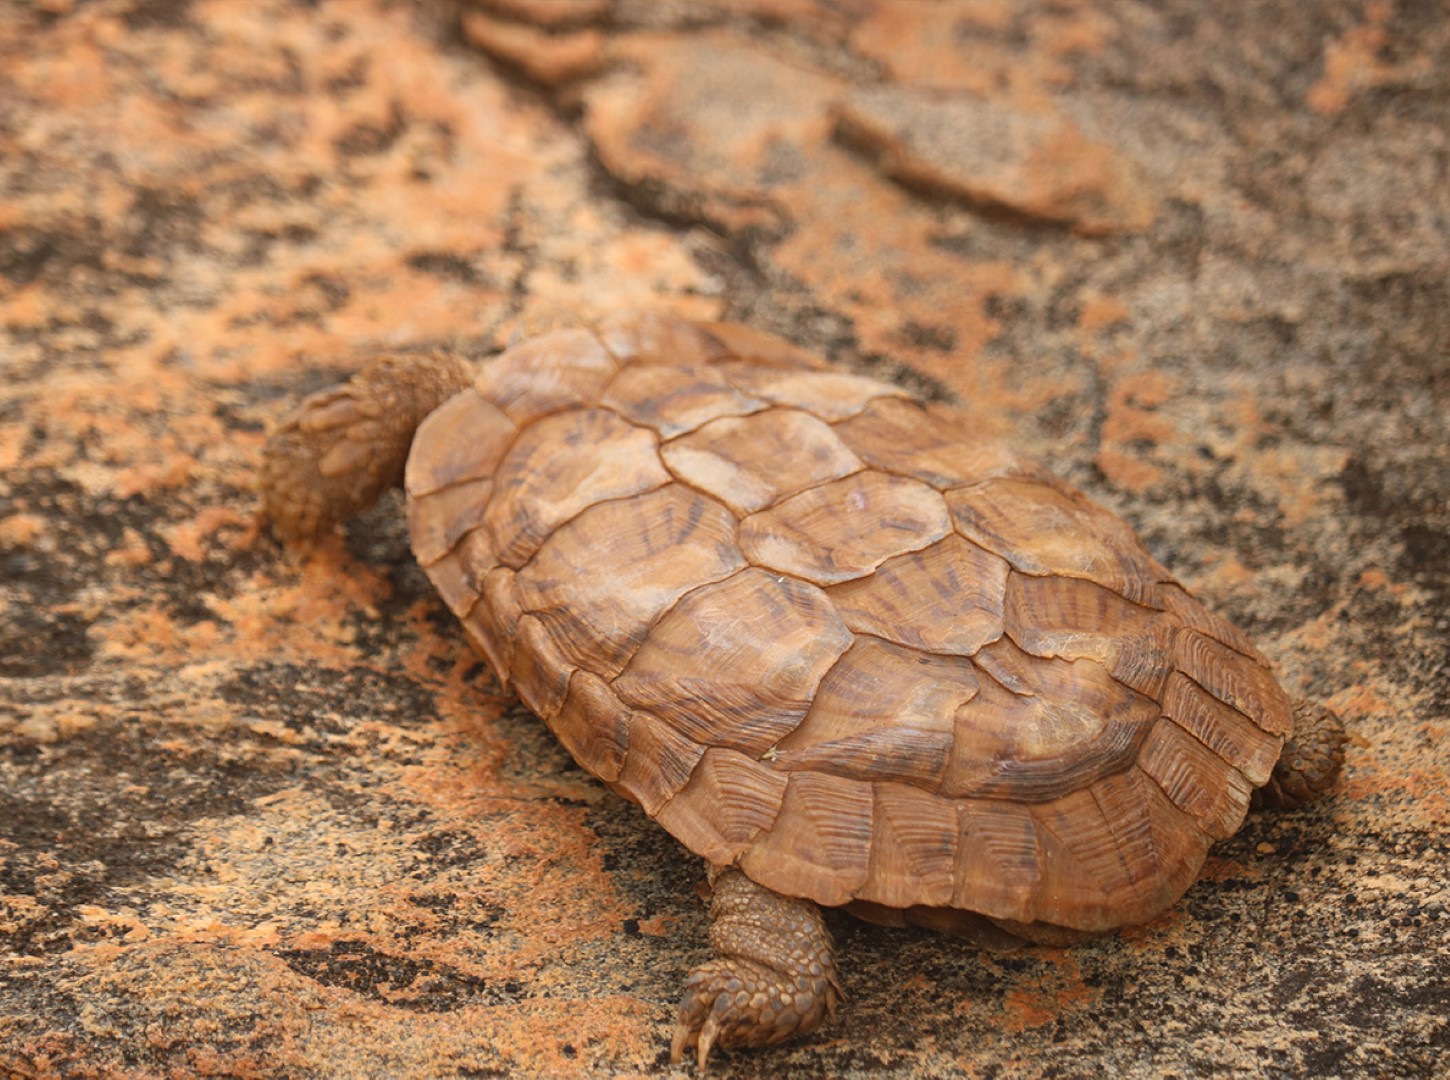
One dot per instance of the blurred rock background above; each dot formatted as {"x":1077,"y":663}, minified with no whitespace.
{"x":263,"y":814}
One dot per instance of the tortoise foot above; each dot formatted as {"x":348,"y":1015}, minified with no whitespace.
{"x":774,"y":977}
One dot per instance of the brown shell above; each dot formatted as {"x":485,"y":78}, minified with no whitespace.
{"x":843,"y":641}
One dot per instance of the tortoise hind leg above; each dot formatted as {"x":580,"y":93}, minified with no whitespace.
{"x":344,"y":446}
{"x":1311,"y":761}
{"x":774,"y":975}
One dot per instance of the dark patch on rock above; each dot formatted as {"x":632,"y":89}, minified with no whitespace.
{"x":419,"y":985}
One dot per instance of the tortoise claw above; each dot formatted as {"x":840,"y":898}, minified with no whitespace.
{"x":733,"y":1003}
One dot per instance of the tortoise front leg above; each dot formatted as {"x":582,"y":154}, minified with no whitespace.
{"x":774,"y":975}
{"x":344,"y":446}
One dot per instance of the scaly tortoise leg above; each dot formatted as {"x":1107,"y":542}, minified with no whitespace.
{"x":344,"y":446}
{"x":774,"y":975}
{"x":1311,"y":761}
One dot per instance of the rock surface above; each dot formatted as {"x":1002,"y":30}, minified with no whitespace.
{"x":261,"y":811}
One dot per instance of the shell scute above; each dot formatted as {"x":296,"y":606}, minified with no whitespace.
{"x":463,"y":439}
{"x":675,"y":400}
{"x":762,"y":348}
{"x":601,"y":579}
{"x":999,"y":861}
{"x":1075,"y":618}
{"x":560,"y":465}
{"x":1046,"y":529}
{"x":730,"y":799}
{"x":1118,"y":845}
{"x":882,"y":712}
{"x":438,"y":520}
{"x":539,"y":671}
{"x":1193,"y":614}
{"x":770,"y":639}
{"x":648,"y":337}
{"x":657,"y":762}
{"x":946,"y":598}
{"x":1076,"y":724}
{"x":556,"y":371}
{"x":1241,"y":685}
{"x":1197,"y":780}
{"x":914,"y":837}
{"x":845,"y":529}
{"x":593,"y":725}
{"x":901,"y":436}
{"x":454,"y":584}
{"x":819,"y":845}
{"x":827,"y":395}
{"x":750,"y":462}
{"x":493,"y":623}
{"x":1223,"y":729}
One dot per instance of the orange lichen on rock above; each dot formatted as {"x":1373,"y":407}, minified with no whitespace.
{"x":1353,"y":64}
{"x":1133,"y":424}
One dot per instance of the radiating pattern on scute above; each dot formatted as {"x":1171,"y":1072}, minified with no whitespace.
{"x":837,"y":637}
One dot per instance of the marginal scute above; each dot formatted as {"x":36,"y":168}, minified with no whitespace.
{"x":820,"y":843}
{"x":1193,"y":614}
{"x":750,"y":462}
{"x":1197,"y":780}
{"x":1235,"y":680}
{"x":437,"y":521}
{"x":883,"y":712}
{"x":463,"y":439}
{"x":899,"y":435}
{"x":539,"y":671}
{"x":1144,"y":659}
{"x":1116,"y":847}
{"x":1224,"y":730}
{"x":729,"y":800}
{"x":913,"y":848}
{"x":770,"y":640}
{"x":998,"y":865}
{"x":657,"y":763}
{"x":1044,"y":528}
{"x":844,"y":530}
{"x":602,"y":579}
{"x":946,"y":598}
{"x":675,"y":400}
{"x":651,"y":338}
{"x":562,"y":370}
{"x":828,"y":395}
{"x":560,"y":465}
{"x":494,"y":622}
{"x":454,"y":584}
{"x":593,"y":725}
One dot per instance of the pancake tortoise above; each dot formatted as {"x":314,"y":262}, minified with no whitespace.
{"x":843,"y":647}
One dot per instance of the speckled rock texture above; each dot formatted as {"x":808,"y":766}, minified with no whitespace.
{"x":261,"y":811}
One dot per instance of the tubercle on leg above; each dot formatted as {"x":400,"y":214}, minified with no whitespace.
{"x":1311,"y":761}
{"x":344,"y":446}
{"x":774,"y":976}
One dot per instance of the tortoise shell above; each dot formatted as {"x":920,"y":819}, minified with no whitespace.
{"x":830,"y":634}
